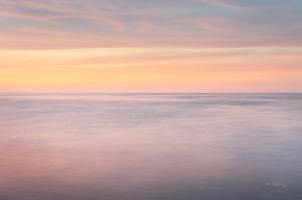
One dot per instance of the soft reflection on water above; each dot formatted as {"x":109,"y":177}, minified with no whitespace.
{"x":143,"y":146}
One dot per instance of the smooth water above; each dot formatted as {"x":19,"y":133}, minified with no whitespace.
{"x":151,"y":146}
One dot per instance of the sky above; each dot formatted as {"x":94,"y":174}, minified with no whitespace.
{"x":150,"y":46}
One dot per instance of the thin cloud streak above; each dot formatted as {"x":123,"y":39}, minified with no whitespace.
{"x":224,"y":3}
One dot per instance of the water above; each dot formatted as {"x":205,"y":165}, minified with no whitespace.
{"x":151,"y":146}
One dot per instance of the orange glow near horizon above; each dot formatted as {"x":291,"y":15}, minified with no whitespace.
{"x":151,"y":70}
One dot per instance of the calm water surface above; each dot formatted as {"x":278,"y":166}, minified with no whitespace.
{"x":151,"y":146}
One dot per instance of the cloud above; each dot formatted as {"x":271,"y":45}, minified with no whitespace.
{"x":216,"y":24}
{"x":141,"y":23}
{"x":224,"y":3}
{"x":58,"y":12}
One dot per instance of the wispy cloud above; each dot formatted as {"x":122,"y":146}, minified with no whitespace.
{"x":225,"y":3}
{"x":115,"y":23}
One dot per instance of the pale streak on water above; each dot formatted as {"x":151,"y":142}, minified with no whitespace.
{"x":151,"y":146}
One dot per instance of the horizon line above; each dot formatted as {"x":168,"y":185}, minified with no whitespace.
{"x":136,"y":93}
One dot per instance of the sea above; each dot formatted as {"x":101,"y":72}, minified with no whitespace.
{"x":150,"y":146}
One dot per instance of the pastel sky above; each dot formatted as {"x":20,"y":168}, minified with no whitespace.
{"x":150,"y":46}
